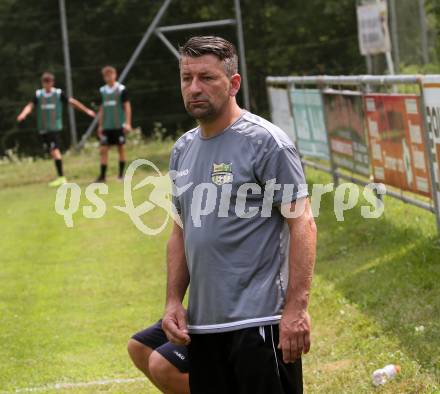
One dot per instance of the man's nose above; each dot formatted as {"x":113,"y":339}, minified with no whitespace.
{"x":195,"y":86}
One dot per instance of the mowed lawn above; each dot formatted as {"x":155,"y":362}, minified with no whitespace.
{"x":71,"y":297}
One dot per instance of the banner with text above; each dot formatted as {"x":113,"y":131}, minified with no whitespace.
{"x":397,"y":148}
{"x":308,"y":117}
{"x":431,"y":95}
{"x":280,"y":111}
{"x":345,"y":128}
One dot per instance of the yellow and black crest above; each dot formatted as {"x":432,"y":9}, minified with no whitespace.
{"x":222,"y":173}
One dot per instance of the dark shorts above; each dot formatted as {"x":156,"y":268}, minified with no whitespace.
{"x":51,"y":140}
{"x":154,"y":337}
{"x":244,"y":361}
{"x":113,"y":137}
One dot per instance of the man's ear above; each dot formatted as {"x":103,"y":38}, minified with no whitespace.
{"x":235,"y":84}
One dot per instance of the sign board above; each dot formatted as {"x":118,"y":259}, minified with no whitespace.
{"x":373,"y":33}
{"x":431,"y":95}
{"x":397,"y":148}
{"x":308,"y":116}
{"x":280,"y":111}
{"x":345,"y":129}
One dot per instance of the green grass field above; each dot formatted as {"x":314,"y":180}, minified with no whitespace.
{"x":71,"y":297}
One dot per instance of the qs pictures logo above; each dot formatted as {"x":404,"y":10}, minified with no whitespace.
{"x":159,"y":197}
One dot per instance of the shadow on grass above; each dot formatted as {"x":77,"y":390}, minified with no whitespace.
{"x":389,"y":268}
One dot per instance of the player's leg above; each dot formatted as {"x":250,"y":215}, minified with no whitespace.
{"x":210,"y":369}
{"x":52,"y":142}
{"x":164,"y":364}
{"x":103,"y":157}
{"x":140,"y":354}
{"x":121,"y":152}
{"x":168,"y":366}
{"x":258,"y":364}
{"x":58,"y":160}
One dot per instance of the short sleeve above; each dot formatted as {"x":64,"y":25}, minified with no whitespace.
{"x":63,"y":97}
{"x":282,"y":165}
{"x":34,"y":100}
{"x":124,"y":96}
{"x":172,"y":174}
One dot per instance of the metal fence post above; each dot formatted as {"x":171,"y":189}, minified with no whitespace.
{"x":242,"y":54}
{"x":333,"y":166}
{"x":68,"y":72}
{"x":429,"y":148}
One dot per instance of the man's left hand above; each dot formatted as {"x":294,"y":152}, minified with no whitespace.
{"x":295,"y":327}
{"x":127,"y":128}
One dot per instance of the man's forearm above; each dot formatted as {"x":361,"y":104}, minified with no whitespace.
{"x":178,"y":275}
{"x":100,"y":118}
{"x":127,"y":108}
{"x":26,"y":110}
{"x":78,"y":105}
{"x":302,"y":256}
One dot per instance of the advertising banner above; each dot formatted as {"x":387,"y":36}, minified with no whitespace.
{"x":395,"y":132}
{"x":431,"y":95}
{"x":345,"y":129}
{"x":308,"y":116}
{"x":373,"y":33}
{"x":280,"y":111}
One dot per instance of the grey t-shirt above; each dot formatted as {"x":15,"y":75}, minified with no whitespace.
{"x":236,"y":240}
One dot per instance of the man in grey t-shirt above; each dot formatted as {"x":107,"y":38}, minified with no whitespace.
{"x":247,"y":243}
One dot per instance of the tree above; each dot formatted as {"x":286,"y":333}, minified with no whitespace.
{"x":281,"y":38}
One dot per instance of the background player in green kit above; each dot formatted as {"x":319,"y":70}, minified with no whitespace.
{"x":114,"y":119}
{"x":48,"y":102}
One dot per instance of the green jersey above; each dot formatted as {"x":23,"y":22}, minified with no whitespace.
{"x":112,"y":99}
{"x":49,"y":107}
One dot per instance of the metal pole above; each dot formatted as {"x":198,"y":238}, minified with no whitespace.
{"x":388,"y":57}
{"x":168,"y":44}
{"x":242,"y":55}
{"x":144,"y":40}
{"x":369,"y":62}
{"x":390,"y":63}
{"x":423,"y":32}
{"x":131,"y":62}
{"x":394,"y":34}
{"x":68,"y":71}
{"x":333,"y":165}
{"x":350,"y":80}
{"x":197,"y":25}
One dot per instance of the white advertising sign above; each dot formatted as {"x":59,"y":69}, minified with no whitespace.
{"x":280,"y":111}
{"x":373,"y":30}
{"x":431,"y":96}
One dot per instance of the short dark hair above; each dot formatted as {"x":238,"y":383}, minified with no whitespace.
{"x":47,"y":76}
{"x":211,"y":45}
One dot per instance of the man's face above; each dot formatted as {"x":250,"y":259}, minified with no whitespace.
{"x":109,"y":77}
{"x":47,"y":83}
{"x":206,"y":89}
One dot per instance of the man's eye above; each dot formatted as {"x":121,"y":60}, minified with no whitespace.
{"x":208,"y":78}
{"x":186,"y":79}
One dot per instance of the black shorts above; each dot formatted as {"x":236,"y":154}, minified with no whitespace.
{"x":154,"y":337}
{"x":245,"y":361}
{"x":113,"y":137}
{"x":51,"y":140}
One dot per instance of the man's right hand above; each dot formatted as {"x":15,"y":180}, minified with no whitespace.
{"x":174,"y":324}
{"x":21,"y":117}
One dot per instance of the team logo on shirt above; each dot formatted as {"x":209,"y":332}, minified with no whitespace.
{"x":222,"y":173}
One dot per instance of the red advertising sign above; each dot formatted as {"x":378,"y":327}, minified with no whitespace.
{"x":345,"y":127}
{"x":397,"y":148}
